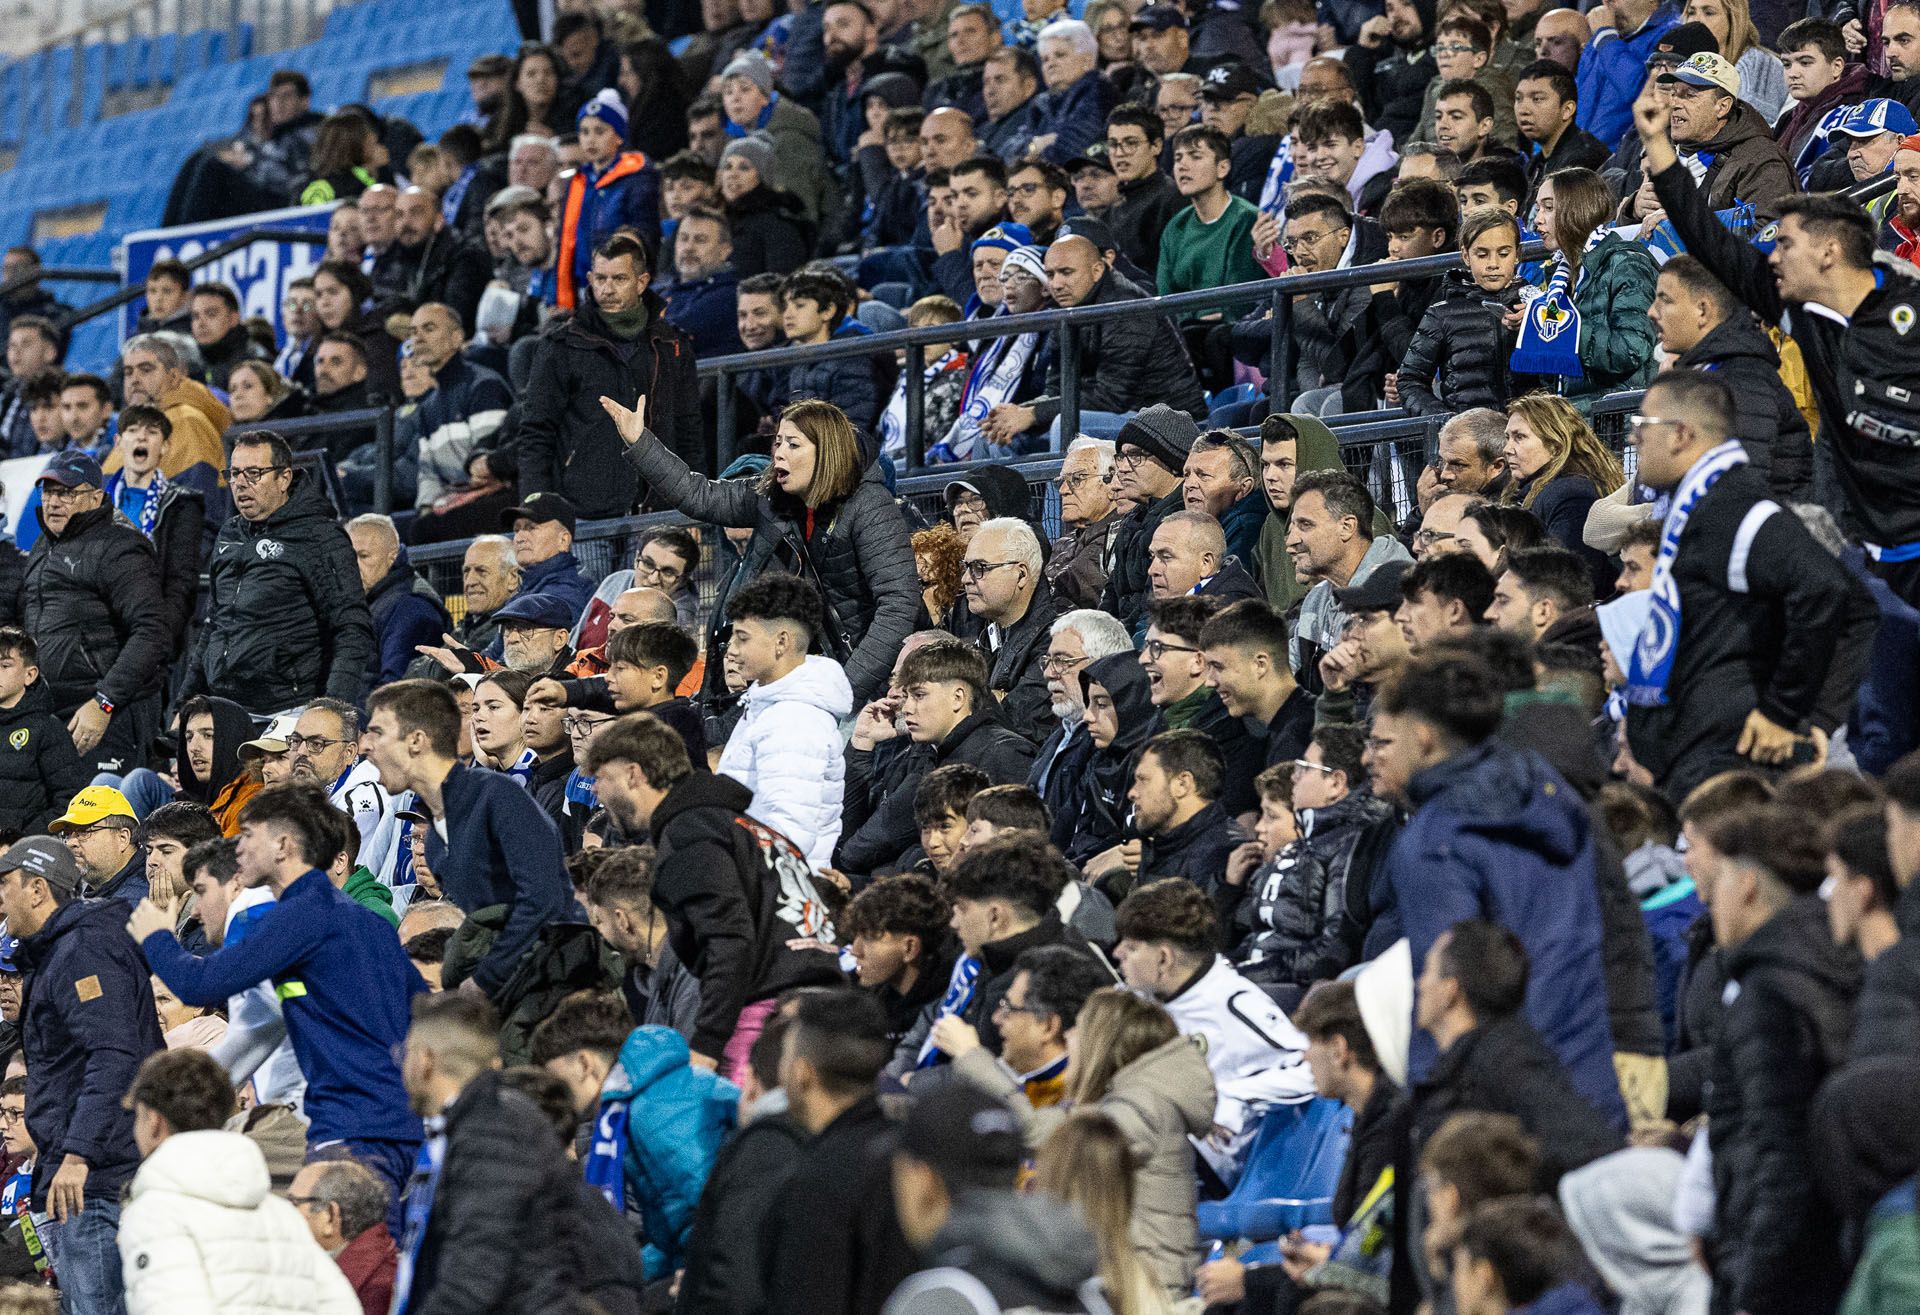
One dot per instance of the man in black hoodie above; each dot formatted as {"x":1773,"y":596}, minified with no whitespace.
{"x":617,"y":345}
{"x":286,"y":619}
{"x":945,"y":708}
{"x":1776,"y":1241}
{"x":87,"y":1022}
{"x":742,"y":912}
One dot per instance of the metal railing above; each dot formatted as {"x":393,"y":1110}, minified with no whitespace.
{"x":238,"y":242}
{"x":1277,"y":292}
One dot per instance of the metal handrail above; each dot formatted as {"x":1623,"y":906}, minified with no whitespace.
{"x":57,"y":274}
{"x":1279,"y":291}
{"x":238,"y":242}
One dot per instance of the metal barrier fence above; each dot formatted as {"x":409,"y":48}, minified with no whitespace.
{"x":1386,"y":450}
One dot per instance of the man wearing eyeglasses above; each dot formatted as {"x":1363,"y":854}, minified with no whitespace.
{"x":324,"y":750}
{"x":98,"y":828}
{"x":1148,"y":199}
{"x":1077,"y":567}
{"x":93,"y":602}
{"x":286,"y":618}
{"x":1007,"y":590}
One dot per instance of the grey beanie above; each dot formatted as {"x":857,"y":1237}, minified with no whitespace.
{"x":753,"y":66}
{"x":1162,"y":433}
{"x":759,"y":153}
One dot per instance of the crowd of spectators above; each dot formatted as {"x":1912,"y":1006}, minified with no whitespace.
{"x":843,"y":906}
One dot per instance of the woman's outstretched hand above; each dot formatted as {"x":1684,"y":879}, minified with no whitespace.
{"x":630,"y":423}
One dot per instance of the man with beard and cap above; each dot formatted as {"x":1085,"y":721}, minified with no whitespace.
{"x":1392,"y":63}
{"x":1150,"y":453}
{"x":1289,"y":444}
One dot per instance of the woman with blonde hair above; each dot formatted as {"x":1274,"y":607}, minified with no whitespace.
{"x":1128,"y":1061}
{"x":822,"y":510}
{"x":1610,"y":278}
{"x":1763,"y":79}
{"x":1088,"y":1164}
{"x":1560,"y":468}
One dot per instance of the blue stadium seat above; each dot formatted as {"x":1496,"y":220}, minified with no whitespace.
{"x":1291,"y":1171}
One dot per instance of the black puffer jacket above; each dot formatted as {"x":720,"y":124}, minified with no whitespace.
{"x":1128,"y":591}
{"x":860,"y":555}
{"x":1016,"y":674}
{"x":1776,"y":1245}
{"x":182,"y":537}
{"x":876,"y":817}
{"x":93,"y":603}
{"x":39,"y":770}
{"x":563,"y":439}
{"x":503,"y":1166}
{"x":1458,"y":356}
{"x":771,"y":234}
{"x":1771,"y":428}
{"x":1287,"y":918}
{"x":286,"y":621}
{"x":726,"y":1251}
{"x":1127,"y":364}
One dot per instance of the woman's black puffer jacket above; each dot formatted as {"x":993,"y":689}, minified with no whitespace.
{"x":1458,"y":356}
{"x":860,"y":556}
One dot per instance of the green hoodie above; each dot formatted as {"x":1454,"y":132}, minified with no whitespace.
{"x":1318,"y":449}
{"x":364,"y":889}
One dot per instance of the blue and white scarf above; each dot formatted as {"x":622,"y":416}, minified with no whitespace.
{"x":960,"y":987}
{"x":1273,"y":193}
{"x":521,"y":768}
{"x":605,"y":1169}
{"x":995,"y":374}
{"x":1549,"y":341}
{"x":419,"y":1207}
{"x":150,"y":509}
{"x":1659,"y":642}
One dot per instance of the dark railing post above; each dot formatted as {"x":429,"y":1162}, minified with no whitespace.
{"x":383,"y":463}
{"x":1069,"y":389}
{"x":726,"y":436}
{"x":1280,"y":335}
{"x":916,"y":388}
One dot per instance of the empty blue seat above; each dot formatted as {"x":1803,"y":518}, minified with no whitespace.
{"x":1291,"y":1171}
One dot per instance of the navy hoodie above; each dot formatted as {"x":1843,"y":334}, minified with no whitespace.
{"x":87,"y":1022}
{"x":509,"y":853}
{"x":346,"y":989}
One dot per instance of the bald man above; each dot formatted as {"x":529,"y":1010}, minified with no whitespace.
{"x":1188,"y":555}
{"x":1560,"y":36}
{"x":946,"y":138}
{"x":446,"y":268}
{"x":1439,"y":532}
{"x":406,"y":609}
{"x":1127,"y":365}
{"x":463,"y":410}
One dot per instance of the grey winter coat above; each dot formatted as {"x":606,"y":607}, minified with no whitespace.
{"x":1158,"y":1101}
{"x":861,"y":557}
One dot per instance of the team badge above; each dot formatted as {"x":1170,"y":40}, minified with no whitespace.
{"x":1902,"y":319}
{"x":19,"y":738}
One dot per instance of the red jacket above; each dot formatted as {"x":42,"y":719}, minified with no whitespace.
{"x":368,"y":1262}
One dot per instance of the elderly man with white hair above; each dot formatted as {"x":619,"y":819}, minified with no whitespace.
{"x":1081,"y":636}
{"x":1077,"y":568}
{"x":533,"y":161}
{"x":1007,"y":589}
{"x":1072,"y":113}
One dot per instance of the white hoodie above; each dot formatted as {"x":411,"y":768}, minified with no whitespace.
{"x":202,"y":1234}
{"x":788,"y":750}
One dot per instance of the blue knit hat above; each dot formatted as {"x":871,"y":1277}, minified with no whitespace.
{"x":609,"y":109}
{"x":1005,"y":237}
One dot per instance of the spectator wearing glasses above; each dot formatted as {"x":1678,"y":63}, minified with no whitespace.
{"x":1077,"y":566}
{"x":1177,"y":687}
{"x":94,"y":602}
{"x":1148,"y":198}
{"x":101,"y":833}
{"x":286,"y":618}
{"x":665,"y":562}
{"x":1008,"y":591}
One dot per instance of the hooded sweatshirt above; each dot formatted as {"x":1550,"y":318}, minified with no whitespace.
{"x":1030,"y":1251}
{"x":786,"y":748}
{"x":1105,"y":815}
{"x":1316,"y":449}
{"x":227,"y":787}
{"x":1621,"y":1209}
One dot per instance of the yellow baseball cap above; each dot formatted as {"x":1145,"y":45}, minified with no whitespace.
{"x":96,"y":803}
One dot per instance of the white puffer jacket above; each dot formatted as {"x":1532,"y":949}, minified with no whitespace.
{"x":202,"y":1234}
{"x":788,"y":750}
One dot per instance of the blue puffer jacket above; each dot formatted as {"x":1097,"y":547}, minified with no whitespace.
{"x":679,"y":1118}
{"x":1497,"y":834}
